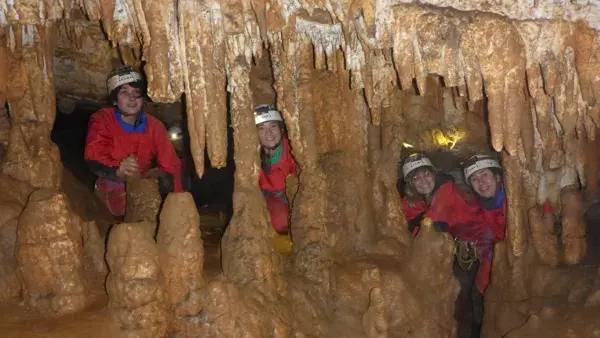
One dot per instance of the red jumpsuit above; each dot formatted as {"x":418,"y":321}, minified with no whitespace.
{"x":496,"y":220}
{"x":463,"y":216}
{"x":272,"y":183}
{"x":110,"y":140}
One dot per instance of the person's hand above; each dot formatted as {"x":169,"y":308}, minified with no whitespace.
{"x":128,"y":167}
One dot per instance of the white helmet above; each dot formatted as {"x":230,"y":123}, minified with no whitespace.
{"x":479,"y":162}
{"x":175,"y":133}
{"x":266,"y":113}
{"x":121,"y":76}
{"x":415,"y":161}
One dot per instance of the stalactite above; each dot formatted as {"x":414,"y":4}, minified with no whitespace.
{"x":121,"y":29}
{"x":108,"y":10}
{"x":194,"y":80}
{"x":215,"y":113}
{"x":163,"y":85}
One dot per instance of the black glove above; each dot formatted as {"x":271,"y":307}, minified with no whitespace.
{"x":415,"y":222}
{"x":440,"y":226}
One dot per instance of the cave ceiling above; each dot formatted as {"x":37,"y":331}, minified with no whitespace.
{"x":542,"y":52}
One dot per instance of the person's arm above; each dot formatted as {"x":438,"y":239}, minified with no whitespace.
{"x":167,"y":158}
{"x":414,"y":213}
{"x":98,"y":149}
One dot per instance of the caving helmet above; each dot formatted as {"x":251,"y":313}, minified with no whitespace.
{"x":479,"y":162}
{"x":121,"y":76}
{"x":266,"y":113}
{"x":415,"y":161}
{"x":175,"y":133}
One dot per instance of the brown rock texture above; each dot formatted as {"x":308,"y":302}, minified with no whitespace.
{"x":143,"y":200}
{"x":31,"y":156}
{"x":181,"y":257}
{"x":564,"y":321}
{"x":358,"y":83}
{"x":12,"y":202}
{"x":93,"y":251}
{"x":49,"y":255}
{"x":135,"y":283}
{"x":238,"y":312}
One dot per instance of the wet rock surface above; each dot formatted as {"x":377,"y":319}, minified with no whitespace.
{"x":49,"y":255}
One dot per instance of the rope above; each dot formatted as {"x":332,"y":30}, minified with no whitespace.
{"x":465,"y":261}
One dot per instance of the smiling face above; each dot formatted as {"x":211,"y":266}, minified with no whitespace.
{"x":423,"y":181}
{"x":485,"y":183}
{"x":269,"y":134}
{"x":129,"y":100}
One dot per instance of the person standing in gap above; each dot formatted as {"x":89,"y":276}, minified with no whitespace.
{"x":277,"y":163}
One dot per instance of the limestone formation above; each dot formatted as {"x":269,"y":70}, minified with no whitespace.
{"x":359,"y":84}
{"x":143,"y":200}
{"x":135,"y":283}
{"x":181,"y":256}
{"x":49,"y":255}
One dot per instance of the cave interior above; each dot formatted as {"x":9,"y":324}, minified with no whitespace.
{"x":360,"y":85}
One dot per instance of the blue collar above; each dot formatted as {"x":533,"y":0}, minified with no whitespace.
{"x":138,"y":127}
{"x":495,"y":202}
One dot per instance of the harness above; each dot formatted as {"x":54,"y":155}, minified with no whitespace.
{"x":466,"y":253}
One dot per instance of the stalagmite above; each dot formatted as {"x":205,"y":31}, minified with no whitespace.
{"x":135,"y":282}
{"x":49,"y":255}
{"x":573,"y":225}
{"x":181,"y":257}
{"x":143,"y":200}
{"x":543,"y":237}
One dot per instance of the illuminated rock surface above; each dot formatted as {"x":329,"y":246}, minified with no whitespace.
{"x":357,"y":82}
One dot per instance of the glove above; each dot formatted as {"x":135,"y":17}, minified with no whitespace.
{"x":440,"y":226}
{"x":415,"y":222}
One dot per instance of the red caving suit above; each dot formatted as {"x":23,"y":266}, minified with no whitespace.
{"x":272,"y":183}
{"x":110,"y":140}
{"x":464,"y":217}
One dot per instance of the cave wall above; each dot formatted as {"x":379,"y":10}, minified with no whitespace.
{"x":345,"y":75}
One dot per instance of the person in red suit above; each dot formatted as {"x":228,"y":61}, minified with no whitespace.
{"x":277,"y":164}
{"x":123,"y":141}
{"x":435,"y":195}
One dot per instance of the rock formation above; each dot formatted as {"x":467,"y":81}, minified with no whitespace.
{"x":135,"y":283}
{"x":49,"y":253}
{"x":181,"y":257}
{"x":358,"y":83}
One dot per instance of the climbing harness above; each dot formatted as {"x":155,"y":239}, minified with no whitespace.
{"x":466,"y":253}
